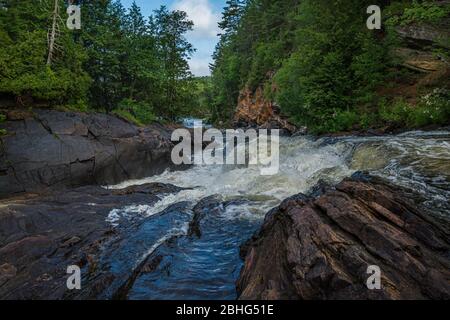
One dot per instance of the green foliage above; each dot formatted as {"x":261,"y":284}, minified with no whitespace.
{"x":137,"y":112}
{"x":336,"y":65}
{"x":396,"y":112}
{"x":23,"y":55}
{"x":418,"y":12}
{"x":203,"y":98}
{"x":255,"y":40}
{"x":169,"y":29}
{"x":119,"y":60}
{"x":339,"y":121}
{"x":318,"y":55}
{"x":433,"y":108}
{"x":317,"y":60}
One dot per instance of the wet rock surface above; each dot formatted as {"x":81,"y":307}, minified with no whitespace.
{"x":182,"y":251}
{"x":321,"y":247}
{"x":52,"y":149}
{"x":40,"y":236}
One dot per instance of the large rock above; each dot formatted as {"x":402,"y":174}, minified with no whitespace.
{"x":56,"y":149}
{"x":321,"y":248}
{"x":425,"y":34}
{"x":42,"y":235}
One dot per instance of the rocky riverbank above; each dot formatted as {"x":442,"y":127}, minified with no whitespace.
{"x":320,"y":247}
{"x":310,"y":247}
{"x":177,"y":235}
{"x":40,"y":236}
{"x":52,"y":149}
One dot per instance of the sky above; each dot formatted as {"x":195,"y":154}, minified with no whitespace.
{"x":205,"y":13}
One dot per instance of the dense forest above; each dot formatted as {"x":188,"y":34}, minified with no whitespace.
{"x":119,"y":61}
{"x":315,"y":59}
{"x":321,"y":64}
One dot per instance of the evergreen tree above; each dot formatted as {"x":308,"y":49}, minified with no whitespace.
{"x":102,"y":37}
{"x":169,"y":29}
{"x":24,"y":54}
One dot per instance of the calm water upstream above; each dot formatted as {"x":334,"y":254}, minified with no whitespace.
{"x":229,"y":204}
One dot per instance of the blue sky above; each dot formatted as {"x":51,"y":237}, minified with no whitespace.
{"x":205,"y":14}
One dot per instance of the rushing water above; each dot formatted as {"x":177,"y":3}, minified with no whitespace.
{"x":230,"y":202}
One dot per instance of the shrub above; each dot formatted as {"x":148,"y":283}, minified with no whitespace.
{"x":419,"y":12}
{"x":368,"y":120}
{"x":140,"y":113}
{"x":396,"y":112}
{"x":339,"y":121}
{"x":433,"y":108}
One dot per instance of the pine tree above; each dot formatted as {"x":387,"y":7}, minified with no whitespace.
{"x":24,"y":54}
{"x":169,"y":29}
{"x":102,"y":37}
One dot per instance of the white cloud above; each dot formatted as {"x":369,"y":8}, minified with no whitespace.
{"x":200,"y":66}
{"x":202,"y":14}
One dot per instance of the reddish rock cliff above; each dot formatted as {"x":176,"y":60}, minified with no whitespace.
{"x":256,"y":111}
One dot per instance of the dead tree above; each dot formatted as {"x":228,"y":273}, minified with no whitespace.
{"x":54,"y":33}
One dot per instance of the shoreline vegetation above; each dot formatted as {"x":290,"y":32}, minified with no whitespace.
{"x":315,"y":62}
{"x":318,"y":63}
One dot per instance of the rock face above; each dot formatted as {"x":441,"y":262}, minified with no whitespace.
{"x":255,"y":110}
{"x":419,"y":60}
{"x":425,"y":34}
{"x":321,"y":248}
{"x":57,"y":149}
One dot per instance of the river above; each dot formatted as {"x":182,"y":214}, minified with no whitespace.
{"x":228,"y":204}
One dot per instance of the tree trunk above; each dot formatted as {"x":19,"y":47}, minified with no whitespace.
{"x":53,"y":33}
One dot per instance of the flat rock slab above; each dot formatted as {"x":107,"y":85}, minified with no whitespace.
{"x":321,"y":248}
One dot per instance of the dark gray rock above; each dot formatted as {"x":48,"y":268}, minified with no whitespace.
{"x":41,"y":235}
{"x":49,"y":148}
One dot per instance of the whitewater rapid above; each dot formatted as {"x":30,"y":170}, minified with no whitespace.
{"x":420,"y":160}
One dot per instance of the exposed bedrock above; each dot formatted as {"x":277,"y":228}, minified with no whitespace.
{"x":321,"y":248}
{"x":254,"y":110}
{"x":57,"y":149}
{"x":40,"y":236}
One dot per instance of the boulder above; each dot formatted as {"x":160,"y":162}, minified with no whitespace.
{"x":52,"y":149}
{"x":322,"y":247}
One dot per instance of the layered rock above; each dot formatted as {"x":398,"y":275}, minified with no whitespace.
{"x":56,"y":149}
{"x":321,"y":248}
